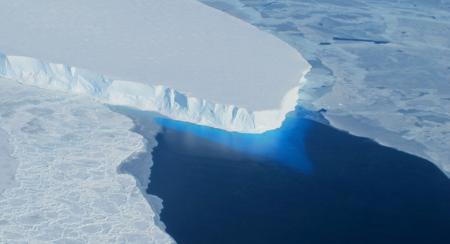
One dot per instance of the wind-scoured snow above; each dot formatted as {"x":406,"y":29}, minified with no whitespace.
{"x":67,"y":186}
{"x":238,"y":74}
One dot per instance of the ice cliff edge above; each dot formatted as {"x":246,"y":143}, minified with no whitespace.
{"x":187,"y":61}
{"x":158,"y":98}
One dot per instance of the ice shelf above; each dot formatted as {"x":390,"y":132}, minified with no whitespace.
{"x":180,"y":58}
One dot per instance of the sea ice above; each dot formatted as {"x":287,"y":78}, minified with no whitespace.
{"x":380,"y":68}
{"x":67,"y":185}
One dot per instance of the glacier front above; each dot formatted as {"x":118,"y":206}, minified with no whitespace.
{"x":181,"y":58}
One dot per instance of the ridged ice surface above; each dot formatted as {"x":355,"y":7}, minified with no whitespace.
{"x":167,"y":101}
{"x":67,"y":187}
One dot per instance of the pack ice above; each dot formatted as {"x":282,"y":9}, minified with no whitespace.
{"x":180,"y":58}
{"x":67,"y":189}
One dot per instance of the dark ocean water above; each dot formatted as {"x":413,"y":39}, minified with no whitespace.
{"x":303,"y":183}
{"x":306,"y":182}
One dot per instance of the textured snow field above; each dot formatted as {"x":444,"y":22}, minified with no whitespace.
{"x":67,"y":187}
{"x":8,"y":164}
{"x":390,"y":80}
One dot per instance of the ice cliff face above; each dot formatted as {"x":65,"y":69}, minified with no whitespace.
{"x":164,"y":100}
{"x":181,"y":44}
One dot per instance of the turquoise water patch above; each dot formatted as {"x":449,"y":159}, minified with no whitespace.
{"x":355,"y":191}
{"x":279,"y":146}
{"x":222,"y":187}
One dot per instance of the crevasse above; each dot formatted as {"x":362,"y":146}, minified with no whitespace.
{"x":164,"y":100}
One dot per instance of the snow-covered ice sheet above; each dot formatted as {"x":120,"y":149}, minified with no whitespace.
{"x":180,"y":44}
{"x":380,"y":68}
{"x":67,"y":187}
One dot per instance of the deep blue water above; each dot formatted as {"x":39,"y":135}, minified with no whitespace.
{"x":304,"y":183}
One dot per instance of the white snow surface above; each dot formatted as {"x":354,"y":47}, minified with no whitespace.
{"x":8,"y":164}
{"x":67,"y":186}
{"x":187,"y":60}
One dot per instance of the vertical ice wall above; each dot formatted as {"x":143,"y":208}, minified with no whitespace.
{"x":166,"y":101}
{"x":198,"y":64}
